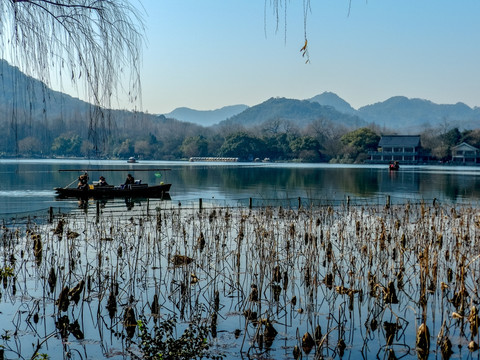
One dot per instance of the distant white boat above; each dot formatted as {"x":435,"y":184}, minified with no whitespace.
{"x":131,"y":160}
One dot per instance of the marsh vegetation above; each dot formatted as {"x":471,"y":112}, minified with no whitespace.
{"x":271,"y":282}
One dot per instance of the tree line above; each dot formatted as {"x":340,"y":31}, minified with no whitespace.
{"x":152,"y":137}
{"x":69,"y":36}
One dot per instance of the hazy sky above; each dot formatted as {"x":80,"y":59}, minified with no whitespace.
{"x":206,"y":54}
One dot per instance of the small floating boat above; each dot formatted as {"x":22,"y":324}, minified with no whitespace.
{"x":106,"y":191}
{"x":394,"y":166}
{"x":99,"y":190}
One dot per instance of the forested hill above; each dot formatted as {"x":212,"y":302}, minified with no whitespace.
{"x":39,"y":122}
{"x":331,"y":99}
{"x":32,"y":99}
{"x":27,"y":99}
{"x":402,"y":114}
{"x":205,"y":117}
{"x":299,"y":112}
{"x":398,"y":114}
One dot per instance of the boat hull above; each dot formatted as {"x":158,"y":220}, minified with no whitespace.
{"x":145,"y":191}
{"x":394,"y":166}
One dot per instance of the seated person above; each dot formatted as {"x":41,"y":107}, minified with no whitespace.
{"x":102,"y":181}
{"x":83,"y":182}
{"x":130,"y":180}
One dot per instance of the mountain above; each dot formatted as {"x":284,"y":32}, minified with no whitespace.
{"x":403,"y":115}
{"x":300,"y":112}
{"x":32,"y":98}
{"x":205,"y":117}
{"x":335,"y":101}
{"x":414,"y":115}
{"x":23,"y":97}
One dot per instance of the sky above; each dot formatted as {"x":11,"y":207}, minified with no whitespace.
{"x":206,"y":54}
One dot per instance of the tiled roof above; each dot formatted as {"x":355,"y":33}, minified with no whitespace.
{"x":466,"y":146}
{"x":400,"y":140}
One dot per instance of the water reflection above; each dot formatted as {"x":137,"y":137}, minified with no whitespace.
{"x":269,"y":275}
{"x":325,"y":182}
{"x":120,"y":204}
{"x":28,"y":185}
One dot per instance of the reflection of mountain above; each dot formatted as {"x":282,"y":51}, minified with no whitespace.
{"x":399,"y":184}
{"x":323,"y":184}
{"x":274,"y":183}
{"x":358,"y":182}
{"x":452,"y":186}
{"x":29,"y":186}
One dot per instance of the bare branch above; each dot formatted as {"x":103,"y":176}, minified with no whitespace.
{"x":98,"y":42}
{"x":56,"y":4}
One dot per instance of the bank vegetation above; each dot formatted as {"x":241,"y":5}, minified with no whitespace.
{"x":153,"y":137}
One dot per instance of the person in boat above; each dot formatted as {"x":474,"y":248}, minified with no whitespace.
{"x":394,"y":165}
{"x":102,"y":181}
{"x":83,"y":182}
{"x":129,"y":181}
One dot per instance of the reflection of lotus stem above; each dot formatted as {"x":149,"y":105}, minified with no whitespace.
{"x":316,"y":259}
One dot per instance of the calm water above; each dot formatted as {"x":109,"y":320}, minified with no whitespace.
{"x":361,"y":249}
{"x":27,"y":185}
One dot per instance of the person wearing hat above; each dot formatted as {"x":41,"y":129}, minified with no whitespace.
{"x":83,"y":182}
{"x":130,"y":180}
{"x":102,"y":181}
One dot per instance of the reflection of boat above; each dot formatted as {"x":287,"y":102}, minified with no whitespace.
{"x":131,"y":160}
{"x":103,"y":202}
{"x":394,"y":166}
{"x":134,"y":190}
{"x":97,"y":190}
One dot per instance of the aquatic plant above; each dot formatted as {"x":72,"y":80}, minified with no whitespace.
{"x":160,"y":343}
{"x":319,"y":281}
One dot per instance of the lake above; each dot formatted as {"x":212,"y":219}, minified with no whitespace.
{"x":361,"y":280}
{"x":27,"y":185}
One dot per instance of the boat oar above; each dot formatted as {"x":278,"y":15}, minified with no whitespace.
{"x":70,"y":184}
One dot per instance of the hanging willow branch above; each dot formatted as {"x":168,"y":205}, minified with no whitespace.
{"x":276,"y":6}
{"x":95,"y":43}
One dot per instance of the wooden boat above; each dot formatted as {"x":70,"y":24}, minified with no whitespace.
{"x":97,"y":190}
{"x":394,"y":166}
{"x":105,"y":191}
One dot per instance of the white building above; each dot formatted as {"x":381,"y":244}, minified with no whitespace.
{"x":403,"y":148}
{"x":465,"y":154}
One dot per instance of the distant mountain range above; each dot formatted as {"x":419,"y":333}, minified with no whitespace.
{"x":333,"y":100}
{"x":31,"y":98}
{"x":205,"y":117}
{"x":299,"y":112}
{"x":398,"y":114}
{"x":34,"y":100}
{"x":416,"y":114}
